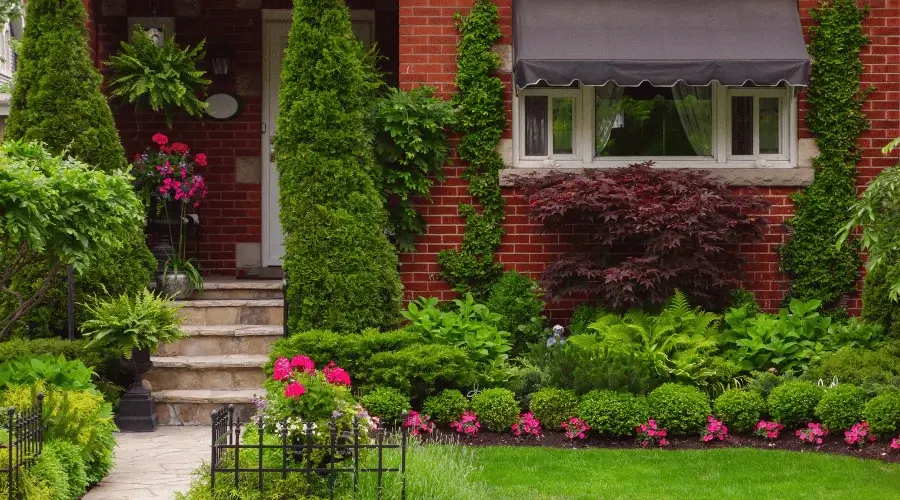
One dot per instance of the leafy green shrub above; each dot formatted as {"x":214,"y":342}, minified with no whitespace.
{"x":614,"y":413}
{"x":855,"y":332}
{"x":583,"y":316}
{"x":524,"y":379}
{"x":553,"y":406}
{"x":422,"y":370}
{"x":584,"y":363}
{"x":48,"y":469}
{"x":386,"y":403}
{"x":80,"y":417}
{"x":741,"y":298}
{"x":862,"y":367}
{"x":877,"y":305}
{"x":679,"y":408}
{"x":69,"y":455}
{"x":129,"y":322}
{"x":446,"y":407}
{"x":739,"y":410}
{"x":841,"y":407}
{"x":469,"y":326}
{"x":341,"y":269}
{"x":764,"y":382}
{"x":57,"y":372}
{"x":882,"y":413}
{"x":518,"y":300}
{"x":411,"y":146}
{"x":794,"y":403}
{"x":497,"y":409}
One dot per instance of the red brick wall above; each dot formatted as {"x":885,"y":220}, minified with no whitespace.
{"x":428,"y":46}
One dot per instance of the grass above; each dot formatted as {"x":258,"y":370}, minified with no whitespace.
{"x":535,"y":473}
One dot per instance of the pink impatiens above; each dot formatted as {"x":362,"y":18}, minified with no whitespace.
{"x":468,"y":424}
{"x":527,"y":425}
{"x":576,"y":428}
{"x":858,"y":435}
{"x":813,"y":433}
{"x":418,"y":423}
{"x":715,"y":430}
{"x":768,"y":430}
{"x":650,"y":434}
{"x":895,"y":444}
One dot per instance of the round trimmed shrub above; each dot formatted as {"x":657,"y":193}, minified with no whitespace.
{"x":680,"y":409}
{"x":611,"y":412}
{"x":553,"y":406}
{"x":882,"y":413}
{"x":841,"y":407}
{"x":739,"y":410}
{"x":794,"y":403}
{"x":446,"y":407}
{"x":69,"y":455}
{"x":385,"y":403}
{"x":497,"y":409}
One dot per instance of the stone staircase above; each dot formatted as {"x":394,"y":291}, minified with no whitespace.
{"x":230,"y":329}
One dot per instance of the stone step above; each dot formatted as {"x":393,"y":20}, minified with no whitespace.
{"x":228,"y":372}
{"x":223,"y":340}
{"x":194,"y":407}
{"x":218,"y":289}
{"x":231,"y":312}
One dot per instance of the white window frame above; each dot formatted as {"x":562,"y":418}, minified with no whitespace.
{"x":577,"y":120}
{"x":583,"y":135}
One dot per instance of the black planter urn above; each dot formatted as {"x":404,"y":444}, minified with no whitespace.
{"x":137,"y":409}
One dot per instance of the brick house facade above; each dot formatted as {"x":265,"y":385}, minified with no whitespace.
{"x":419,"y":40}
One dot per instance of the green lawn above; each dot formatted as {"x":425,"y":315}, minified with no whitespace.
{"x":521,"y":473}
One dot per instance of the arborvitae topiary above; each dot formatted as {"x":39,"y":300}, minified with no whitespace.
{"x":341,"y":269}
{"x":57,"y":100}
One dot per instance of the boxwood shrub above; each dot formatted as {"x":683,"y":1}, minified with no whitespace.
{"x":386,"y":403}
{"x":446,"y":407}
{"x":739,"y":410}
{"x":841,"y":407}
{"x":882,"y":413}
{"x":613,"y":413}
{"x":680,"y":409}
{"x":553,"y":406}
{"x":794,"y":403}
{"x":497,"y":409}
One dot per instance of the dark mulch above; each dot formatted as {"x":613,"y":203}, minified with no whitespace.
{"x":833,"y":444}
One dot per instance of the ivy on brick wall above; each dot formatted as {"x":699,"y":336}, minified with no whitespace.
{"x":481,"y":120}
{"x":818,"y":268}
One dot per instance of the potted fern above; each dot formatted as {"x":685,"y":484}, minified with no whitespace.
{"x":164,"y":77}
{"x":136,"y":326}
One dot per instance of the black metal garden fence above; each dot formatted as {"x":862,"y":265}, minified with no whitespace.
{"x":341,"y":454}
{"x":24,"y":443}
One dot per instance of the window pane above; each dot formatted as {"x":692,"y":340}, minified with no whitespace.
{"x":769,"y":126}
{"x":741,"y":125}
{"x":563,"y":119}
{"x":535,"y":126}
{"x":647,"y":123}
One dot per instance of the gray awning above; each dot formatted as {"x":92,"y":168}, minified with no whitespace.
{"x":733,"y":42}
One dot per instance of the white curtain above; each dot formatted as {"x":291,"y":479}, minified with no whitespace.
{"x":694,"y":105}
{"x":608,"y":99}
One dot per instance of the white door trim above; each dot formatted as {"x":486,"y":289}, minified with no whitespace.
{"x":271,"y":17}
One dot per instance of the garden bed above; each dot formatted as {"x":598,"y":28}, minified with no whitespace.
{"x":832,"y":444}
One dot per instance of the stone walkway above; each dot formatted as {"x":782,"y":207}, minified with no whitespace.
{"x":154,"y":465}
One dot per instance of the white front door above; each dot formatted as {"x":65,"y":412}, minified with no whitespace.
{"x":276,"y":27}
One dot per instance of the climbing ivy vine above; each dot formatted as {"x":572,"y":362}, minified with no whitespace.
{"x":481,"y":119}
{"x":818,"y":268}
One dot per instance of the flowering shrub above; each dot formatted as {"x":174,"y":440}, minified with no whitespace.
{"x":576,"y":428}
{"x":526,"y":426}
{"x":418,"y":423}
{"x":168,"y":172}
{"x":715,"y":429}
{"x":335,"y":374}
{"x":650,"y":434}
{"x":858,"y":435}
{"x":812,"y":433}
{"x":895,"y":444}
{"x":468,"y":424}
{"x":768,"y":430}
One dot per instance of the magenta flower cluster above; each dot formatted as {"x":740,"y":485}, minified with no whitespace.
{"x":576,"y":428}
{"x":468,"y":424}
{"x":169,"y":171}
{"x":284,"y":370}
{"x":715,"y":430}
{"x":650,"y":434}
{"x":336,"y":375}
{"x":526,"y":426}
{"x":895,"y":443}
{"x":419,"y":424}
{"x":768,"y":430}
{"x":812,"y":433}
{"x":858,"y":435}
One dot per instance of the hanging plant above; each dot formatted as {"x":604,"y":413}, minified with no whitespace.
{"x":164,"y":77}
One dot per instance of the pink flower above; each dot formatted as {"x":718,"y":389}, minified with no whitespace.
{"x":200,"y":158}
{"x":336,"y":375}
{"x":160,"y":139}
{"x":527,"y":425}
{"x":576,"y":427}
{"x":468,"y":424}
{"x":180,"y":148}
{"x":282,"y":369}
{"x":663,"y":442}
{"x":294,"y":390}
{"x":420,"y":424}
{"x":304,"y":364}
{"x":895,"y":444}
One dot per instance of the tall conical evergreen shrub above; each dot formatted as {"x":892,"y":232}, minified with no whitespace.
{"x":56,"y":100}
{"x":341,"y":269}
